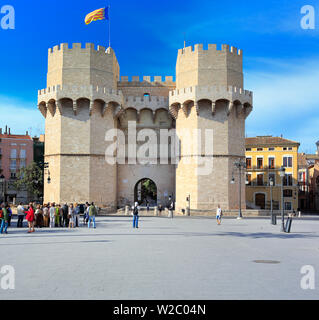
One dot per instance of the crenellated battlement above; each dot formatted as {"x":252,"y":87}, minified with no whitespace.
{"x":211,"y":93}
{"x":199,"y":48}
{"x":147,"y":80}
{"x":208,"y":90}
{"x":151,"y":102}
{"x":79,"y":47}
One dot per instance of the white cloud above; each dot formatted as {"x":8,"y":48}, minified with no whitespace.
{"x":20,"y":116}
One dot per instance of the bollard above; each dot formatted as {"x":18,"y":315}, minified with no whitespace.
{"x":288,"y":224}
{"x":156,"y":212}
{"x":273,"y":219}
{"x":127,"y":210}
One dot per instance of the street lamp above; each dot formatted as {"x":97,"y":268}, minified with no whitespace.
{"x":282,"y":175}
{"x":271,"y":184}
{"x":3,"y":181}
{"x":239,"y":165}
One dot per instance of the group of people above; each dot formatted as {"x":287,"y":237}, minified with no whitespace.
{"x":48,"y":215}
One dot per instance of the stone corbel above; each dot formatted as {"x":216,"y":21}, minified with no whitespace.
{"x":196,"y":107}
{"x":91,"y":107}
{"x":137,"y":116}
{"x":50,"y":108}
{"x":213,"y":108}
{"x":105,"y":106}
{"x":230,"y":107}
{"x":75,"y":107}
{"x":59,"y":106}
{"x":43,"y":109}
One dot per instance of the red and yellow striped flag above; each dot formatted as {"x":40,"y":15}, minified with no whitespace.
{"x":99,"y":14}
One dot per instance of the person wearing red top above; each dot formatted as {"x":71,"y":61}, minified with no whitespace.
{"x":30,"y":218}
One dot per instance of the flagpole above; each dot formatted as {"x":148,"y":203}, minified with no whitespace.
{"x":109,"y":25}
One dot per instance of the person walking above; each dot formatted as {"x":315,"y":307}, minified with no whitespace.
{"x":86,"y":213}
{"x":20,"y":211}
{"x":135,"y":215}
{"x":4,"y":218}
{"x":30,"y":218}
{"x":219,"y":215}
{"x":71,"y":216}
{"x":92,"y":214}
{"x":52,"y":215}
{"x":10,"y":215}
{"x":170,"y":208}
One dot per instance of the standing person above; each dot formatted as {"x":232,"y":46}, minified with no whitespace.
{"x":10,"y":215}
{"x":4,"y":218}
{"x":60,"y":216}
{"x":147,"y":206}
{"x":52,"y":215}
{"x":92,"y":214}
{"x":170,"y":208}
{"x":46,"y":217}
{"x":39,"y":216}
{"x":219,"y":214}
{"x":77,"y":211}
{"x":57,"y":216}
{"x":65,"y":213}
{"x":71,"y":216}
{"x":20,"y":211}
{"x":135,"y":215}
{"x":30,"y":218}
{"x":86,"y":213}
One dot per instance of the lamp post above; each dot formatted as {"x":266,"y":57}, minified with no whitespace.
{"x":271,"y":183}
{"x":3,"y":185}
{"x":239,"y":165}
{"x":282,"y":175}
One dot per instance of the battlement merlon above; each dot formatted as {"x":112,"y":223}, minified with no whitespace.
{"x":199,"y":48}
{"x":82,"y":65}
{"x":147,"y":80}
{"x":78,"y":46}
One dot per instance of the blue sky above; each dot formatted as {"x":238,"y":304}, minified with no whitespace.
{"x":281,"y":60}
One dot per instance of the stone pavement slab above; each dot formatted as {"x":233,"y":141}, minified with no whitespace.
{"x":182,"y":258}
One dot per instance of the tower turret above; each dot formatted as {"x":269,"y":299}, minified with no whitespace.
{"x":80,"y":104}
{"x":209,"y":102}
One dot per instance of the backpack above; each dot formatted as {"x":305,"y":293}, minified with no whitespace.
{"x":135,"y":211}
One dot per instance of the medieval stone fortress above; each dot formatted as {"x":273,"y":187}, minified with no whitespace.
{"x":86,"y":97}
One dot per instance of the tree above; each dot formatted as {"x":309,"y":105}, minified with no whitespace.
{"x":30,"y":178}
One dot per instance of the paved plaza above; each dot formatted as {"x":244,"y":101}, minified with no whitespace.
{"x":183,"y":258}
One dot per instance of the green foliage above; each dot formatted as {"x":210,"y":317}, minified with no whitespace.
{"x":30,"y":178}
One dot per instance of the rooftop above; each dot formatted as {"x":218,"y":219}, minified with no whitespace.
{"x":270,"y":141}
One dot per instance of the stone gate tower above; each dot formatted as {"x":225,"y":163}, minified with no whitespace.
{"x":209,"y":96}
{"x":80,"y":103}
{"x":85,"y":98}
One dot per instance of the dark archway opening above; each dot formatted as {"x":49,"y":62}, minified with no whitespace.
{"x":145,"y":192}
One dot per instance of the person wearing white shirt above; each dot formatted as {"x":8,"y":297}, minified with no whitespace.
{"x":52,"y":215}
{"x":20,"y":211}
{"x":219,"y":215}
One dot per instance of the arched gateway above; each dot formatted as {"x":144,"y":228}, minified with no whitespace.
{"x":145,"y":191}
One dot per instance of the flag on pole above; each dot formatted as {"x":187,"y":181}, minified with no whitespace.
{"x":99,"y":14}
